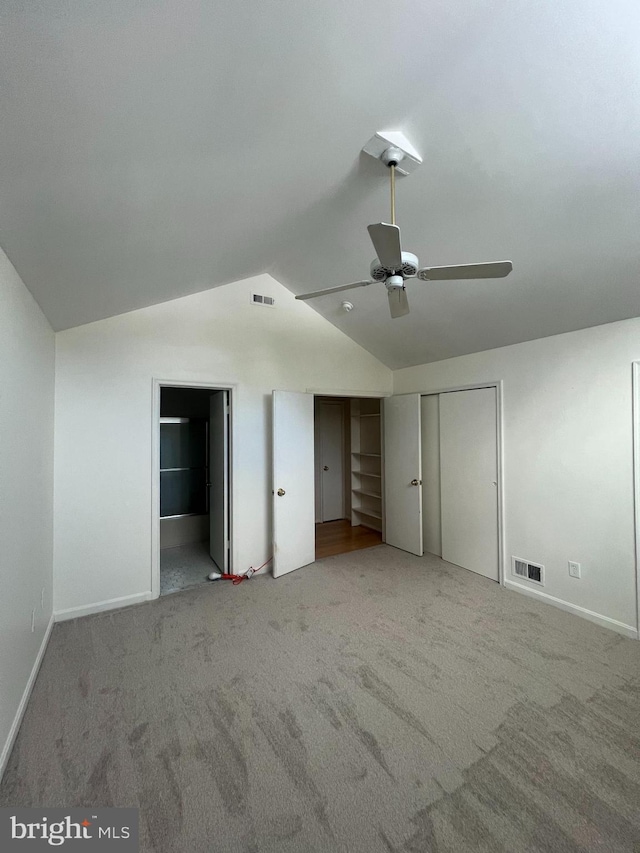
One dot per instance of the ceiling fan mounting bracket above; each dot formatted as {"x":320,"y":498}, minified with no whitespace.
{"x":393,"y":147}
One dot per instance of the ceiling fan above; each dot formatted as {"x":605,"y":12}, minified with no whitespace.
{"x":393,"y":266}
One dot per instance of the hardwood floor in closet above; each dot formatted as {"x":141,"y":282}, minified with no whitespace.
{"x":339,"y":537}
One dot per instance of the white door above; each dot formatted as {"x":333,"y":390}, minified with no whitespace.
{"x":469,"y":480}
{"x":331,"y":462}
{"x":430,"y":426}
{"x":219,"y":479}
{"x":402,"y":473}
{"x":293,"y":482}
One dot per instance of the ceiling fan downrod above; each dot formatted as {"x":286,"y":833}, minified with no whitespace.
{"x":392,"y":169}
{"x":391,"y":157}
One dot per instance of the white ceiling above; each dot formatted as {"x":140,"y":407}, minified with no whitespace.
{"x":153,"y":149}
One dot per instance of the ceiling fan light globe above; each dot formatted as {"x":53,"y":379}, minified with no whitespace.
{"x":394,"y":282}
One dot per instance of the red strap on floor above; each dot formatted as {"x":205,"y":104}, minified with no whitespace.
{"x":236,"y":579}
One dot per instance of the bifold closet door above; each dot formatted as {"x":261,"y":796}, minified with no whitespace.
{"x":430,"y":428}
{"x":469,"y":480}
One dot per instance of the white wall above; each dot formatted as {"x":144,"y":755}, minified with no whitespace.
{"x":26,"y":493}
{"x":568,"y":469}
{"x":104,"y":377}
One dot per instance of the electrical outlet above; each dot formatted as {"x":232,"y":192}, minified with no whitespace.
{"x":33,"y":620}
{"x":574,"y":569}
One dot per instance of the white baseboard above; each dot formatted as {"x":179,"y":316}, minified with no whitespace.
{"x":598,"y":618}
{"x":15,"y":727}
{"x":111,"y":604}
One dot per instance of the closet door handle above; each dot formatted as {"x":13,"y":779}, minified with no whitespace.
{"x":281,"y":492}
{"x":416,"y":482}
{"x":325,"y":468}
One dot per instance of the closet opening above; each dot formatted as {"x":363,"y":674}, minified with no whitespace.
{"x":194,"y":522}
{"x":349,"y":510}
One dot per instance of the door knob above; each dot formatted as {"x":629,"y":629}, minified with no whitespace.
{"x":325,"y":468}
{"x":281,"y":492}
{"x":416,"y":482}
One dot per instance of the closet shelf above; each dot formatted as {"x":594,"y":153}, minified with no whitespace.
{"x":374,"y":415}
{"x":368,"y":513}
{"x":374,"y":455}
{"x":368,"y":474}
{"x":368,"y":494}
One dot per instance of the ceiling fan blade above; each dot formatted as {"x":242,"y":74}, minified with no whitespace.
{"x":398,"y":302}
{"x":386,"y":242}
{"x":493,"y":269}
{"x":334,"y":289}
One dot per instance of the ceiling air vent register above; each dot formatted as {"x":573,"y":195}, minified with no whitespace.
{"x":527,"y":571}
{"x":258,"y":299}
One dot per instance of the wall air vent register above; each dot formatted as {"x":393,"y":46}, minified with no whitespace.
{"x":259,"y":299}
{"x":527,"y":571}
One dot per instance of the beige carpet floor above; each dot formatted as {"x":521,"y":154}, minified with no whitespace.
{"x":372,"y":702}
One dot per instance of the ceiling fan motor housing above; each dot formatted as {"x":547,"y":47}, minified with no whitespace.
{"x":408,"y":269}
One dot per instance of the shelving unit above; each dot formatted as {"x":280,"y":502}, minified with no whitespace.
{"x":368,"y":494}
{"x":366,"y":464}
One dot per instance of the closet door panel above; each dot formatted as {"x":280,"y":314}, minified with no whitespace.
{"x":468,"y":480}
{"x":430,"y":428}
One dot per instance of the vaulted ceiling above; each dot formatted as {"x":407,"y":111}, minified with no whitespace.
{"x":150,"y":150}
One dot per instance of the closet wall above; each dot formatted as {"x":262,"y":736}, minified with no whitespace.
{"x":568,"y":459}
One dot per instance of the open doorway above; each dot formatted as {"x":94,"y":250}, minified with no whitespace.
{"x":194,"y":486}
{"x":348,"y":474}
